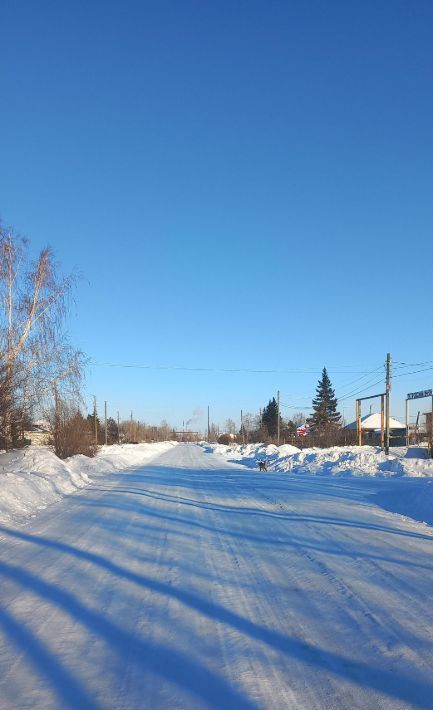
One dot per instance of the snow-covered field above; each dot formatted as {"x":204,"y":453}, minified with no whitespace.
{"x":33,"y":478}
{"x":191,"y":582}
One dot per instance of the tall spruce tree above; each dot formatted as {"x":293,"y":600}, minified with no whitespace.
{"x":91,"y":426}
{"x":270,"y":417}
{"x":112,"y":431}
{"x":325,"y":413}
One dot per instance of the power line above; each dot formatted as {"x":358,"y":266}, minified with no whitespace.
{"x":412,"y":364}
{"x":345,"y":395}
{"x":414,"y":372}
{"x":349,"y":395}
{"x":364,"y":386}
{"x":224,"y":369}
{"x":353,"y":394}
{"x":358,"y":379}
{"x":295,"y":406}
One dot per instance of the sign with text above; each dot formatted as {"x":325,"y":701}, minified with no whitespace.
{"x":419,"y":395}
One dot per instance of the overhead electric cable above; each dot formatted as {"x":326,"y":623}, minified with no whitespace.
{"x":296,"y":406}
{"x":222,"y":369}
{"x":353,"y":394}
{"x":411,"y":364}
{"x":414,"y":372}
{"x":358,"y":379}
{"x":364,"y":386}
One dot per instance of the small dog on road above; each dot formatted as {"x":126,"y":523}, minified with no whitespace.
{"x":263,"y":466}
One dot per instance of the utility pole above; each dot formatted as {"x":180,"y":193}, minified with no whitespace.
{"x":431,"y":430}
{"x":208,"y":425}
{"x":96,"y":422}
{"x":118,"y":428}
{"x":278,"y":418}
{"x":242,"y":428}
{"x":358,"y":422}
{"x":387,"y":403}
{"x":130,"y":429}
{"x":106,"y":433}
{"x":56,"y":416}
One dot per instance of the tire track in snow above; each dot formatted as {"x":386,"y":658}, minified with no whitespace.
{"x":356,"y":608}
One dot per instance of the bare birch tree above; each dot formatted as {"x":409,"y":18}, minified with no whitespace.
{"x":35,"y":356}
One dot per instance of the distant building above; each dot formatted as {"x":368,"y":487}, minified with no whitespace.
{"x":371,"y":430}
{"x":428,"y":422}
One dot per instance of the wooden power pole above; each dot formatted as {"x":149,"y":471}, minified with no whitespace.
{"x":56,"y":415}
{"x":96,"y":421}
{"x":278,"y":418}
{"x":387,"y":403}
{"x":359,"y":422}
{"x":105,"y":420}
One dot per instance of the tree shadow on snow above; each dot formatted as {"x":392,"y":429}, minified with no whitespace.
{"x":239,"y":509}
{"x":155,"y":658}
{"x":67,"y":688}
{"x":171,"y":665}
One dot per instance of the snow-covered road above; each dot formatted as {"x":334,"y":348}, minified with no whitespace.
{"x":192,"y":583}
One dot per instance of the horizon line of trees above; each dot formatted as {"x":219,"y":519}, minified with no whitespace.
{"x":325,"y":423}
{"x":70,"y":432}
{"x":325,"y":428}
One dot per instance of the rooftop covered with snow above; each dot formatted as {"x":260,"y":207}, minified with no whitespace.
{"x":373,"y":422}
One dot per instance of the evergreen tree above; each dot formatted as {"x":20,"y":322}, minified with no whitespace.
{"x":325,"y":413}
{"x":270,"y":418}
{"x":289,"y":428}
{"x":112,"y":431}
{"x":91,"y":426}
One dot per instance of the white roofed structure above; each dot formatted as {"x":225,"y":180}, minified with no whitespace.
{"x":371,"y":422}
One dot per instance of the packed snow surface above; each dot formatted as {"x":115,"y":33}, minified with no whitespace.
{"x":191,"y":582}
{"x":33,"y":478}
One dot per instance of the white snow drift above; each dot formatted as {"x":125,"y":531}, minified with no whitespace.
{"x":33,"y":478}
{"x":403,"y":480}
{"x":337,"y":460}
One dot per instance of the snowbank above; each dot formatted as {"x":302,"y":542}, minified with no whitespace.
{"x":251,"y":454}
{"x":33,"y":478}
{"x":410,"y":497}
{"x":338,"y":460}
{"x":357,"y":461}
{"x":400,"y":481}
{"x":117,"y":458}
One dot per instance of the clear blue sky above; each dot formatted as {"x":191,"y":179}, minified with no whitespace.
{"x":240,"y":184}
